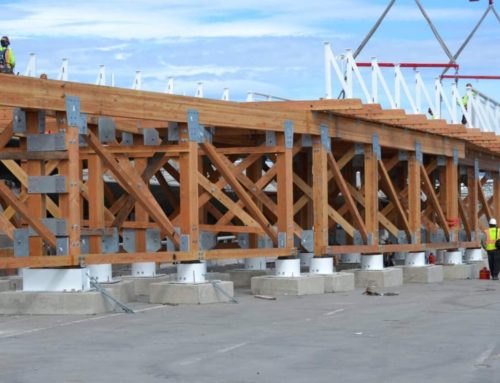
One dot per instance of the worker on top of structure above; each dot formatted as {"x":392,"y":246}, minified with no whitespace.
{"x":7,"y":59}
{"x":465,"y":100}
{"x":491,"y":235}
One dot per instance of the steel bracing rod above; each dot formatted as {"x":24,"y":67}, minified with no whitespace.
{"x":468,"y":39}
{"x":374,"y":29}
{"x":495,"y":12}
{"x":435,"y":31}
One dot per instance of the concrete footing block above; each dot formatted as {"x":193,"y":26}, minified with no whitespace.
{"x":339,"y":282}
{"x":4,"y":285}
{"x":189,"y":293}
{"x":476,"y":267}
{"x":390,"y":277}
{"x":142,"y":285}
{"x":64,"y":303}
{"x":303,"y":285}
{"x":423,"y":274}
{"x":242,"y":278}
{"x":454,"y":272}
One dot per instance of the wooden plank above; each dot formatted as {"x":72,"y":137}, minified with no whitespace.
{"x":284,"y":182}
{"x":464,"y":217}
{"x":319,"y":195}
{"x":69,"y":202}
{"x":34,"y":93}
{"x":6,"y":227}
{"x":96,"y":200}
{"x":496,"y":196}
{"x":188,"y":169}
{"x":451,"y":177}
{"x":124,"y":173}
{"x":371,"y":194}
{"x":232,"y":229}
{"x":414,"y":203}
{"x":35,"y":223}
{"x":35,"y":202}
{"x":473,"y":186}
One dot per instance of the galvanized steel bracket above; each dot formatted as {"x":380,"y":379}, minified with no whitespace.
{"x":46,"y":184}
{"x":325,"y":137}
{"x":418,"y":152}
{"x":185,"y":242}
{"x":73,"y":111}
{"x":18,"y":120}
{"x":281,"y":240}
{"x":476,"y":169}
{"x":107,"y":130}
{"x":41,"y":121}
{"x":46,"y":142}
{"x":173,"y":131}
{"x":243,"y":240}
{"x":208,"y":240}
{"x":288,"y":134}
{"x":110,"y":243}
{"x":127,"y":139}
{"x":403,"y":155}
{"x":455,"y":156}
{"x":153,"y":240}
{"x":151,"y":137}
{"x":376,"y":147}
{"x":128,"y":240}
{"x":21,"y":243}
{"x":307,"y":240}
{"x":270,"y":138}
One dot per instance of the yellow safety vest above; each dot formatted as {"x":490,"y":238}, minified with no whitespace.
{"x":492,"y":234}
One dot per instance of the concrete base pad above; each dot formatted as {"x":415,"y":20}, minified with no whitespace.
{"x":454,"y":272}
{"x":190,"y":294}
{"x":390,"y":277}
{"x":477,"y":266}
{"x":64,"y":303}
{"x":303,"y":285}
{"x":423,"y":274}
{"x":347,"y":266}
{"x":338,"y":282}
{"x":142,"y":285}
{"x":218,"y":276}
{"x":242,"y":278}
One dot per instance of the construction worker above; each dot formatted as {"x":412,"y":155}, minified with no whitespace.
{"x":7,"y":59}
{"x":465,"y":100}
{"x":491,"y":235}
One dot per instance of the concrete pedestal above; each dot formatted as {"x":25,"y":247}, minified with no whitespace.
{"x":476,"y":267}
{"x":303,"y":285}
{"x":190,"y":293}
{"x":65,"y":303}
{"x":4,"y":285}
{"x":454,"y":272}
{"x":423,"y":274}
{"x":390,"y":277}
{"x":242,"y":278}
{"x":142,"y":285}
{"x":338,"y":282}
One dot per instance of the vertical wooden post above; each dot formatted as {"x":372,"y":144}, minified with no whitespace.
{"x":452,"y":196}
{"x":320,"y":196}
{"x":414,"y":203}
{"x":371,"y":194}
{"x":254,"y":172}
{"x":35,"y":202}
{"x":188,"y":167}
{"x":140,"y":213}
{"x":96,"y":201}
{"x":70,"y":201}
{"x":472,"y":186}
{"x":284,"y":180}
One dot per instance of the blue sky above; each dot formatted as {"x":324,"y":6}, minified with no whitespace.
{"x":273,"y":47}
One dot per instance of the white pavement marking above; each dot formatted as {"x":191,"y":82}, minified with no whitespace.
{"x":333,"y":312}
{"x":208,"y":355}
{"x":484,"y":356}
{"x":6,"y":334}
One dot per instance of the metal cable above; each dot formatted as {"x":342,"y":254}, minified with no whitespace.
{"x":102,"y":290}
{"x":218,"y":288}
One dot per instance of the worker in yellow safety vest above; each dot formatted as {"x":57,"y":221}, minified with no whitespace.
{"x":465,"y":100}
{"x":491,"y":235}
{"x":7,"y":59}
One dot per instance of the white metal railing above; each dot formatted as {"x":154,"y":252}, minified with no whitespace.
{"x":480,"y":112}
{"x":255,"y":96}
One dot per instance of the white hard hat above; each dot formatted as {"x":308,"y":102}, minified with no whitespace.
{"x":493,"y":221}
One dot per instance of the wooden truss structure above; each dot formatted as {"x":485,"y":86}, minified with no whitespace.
{"x":107,"y":175}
